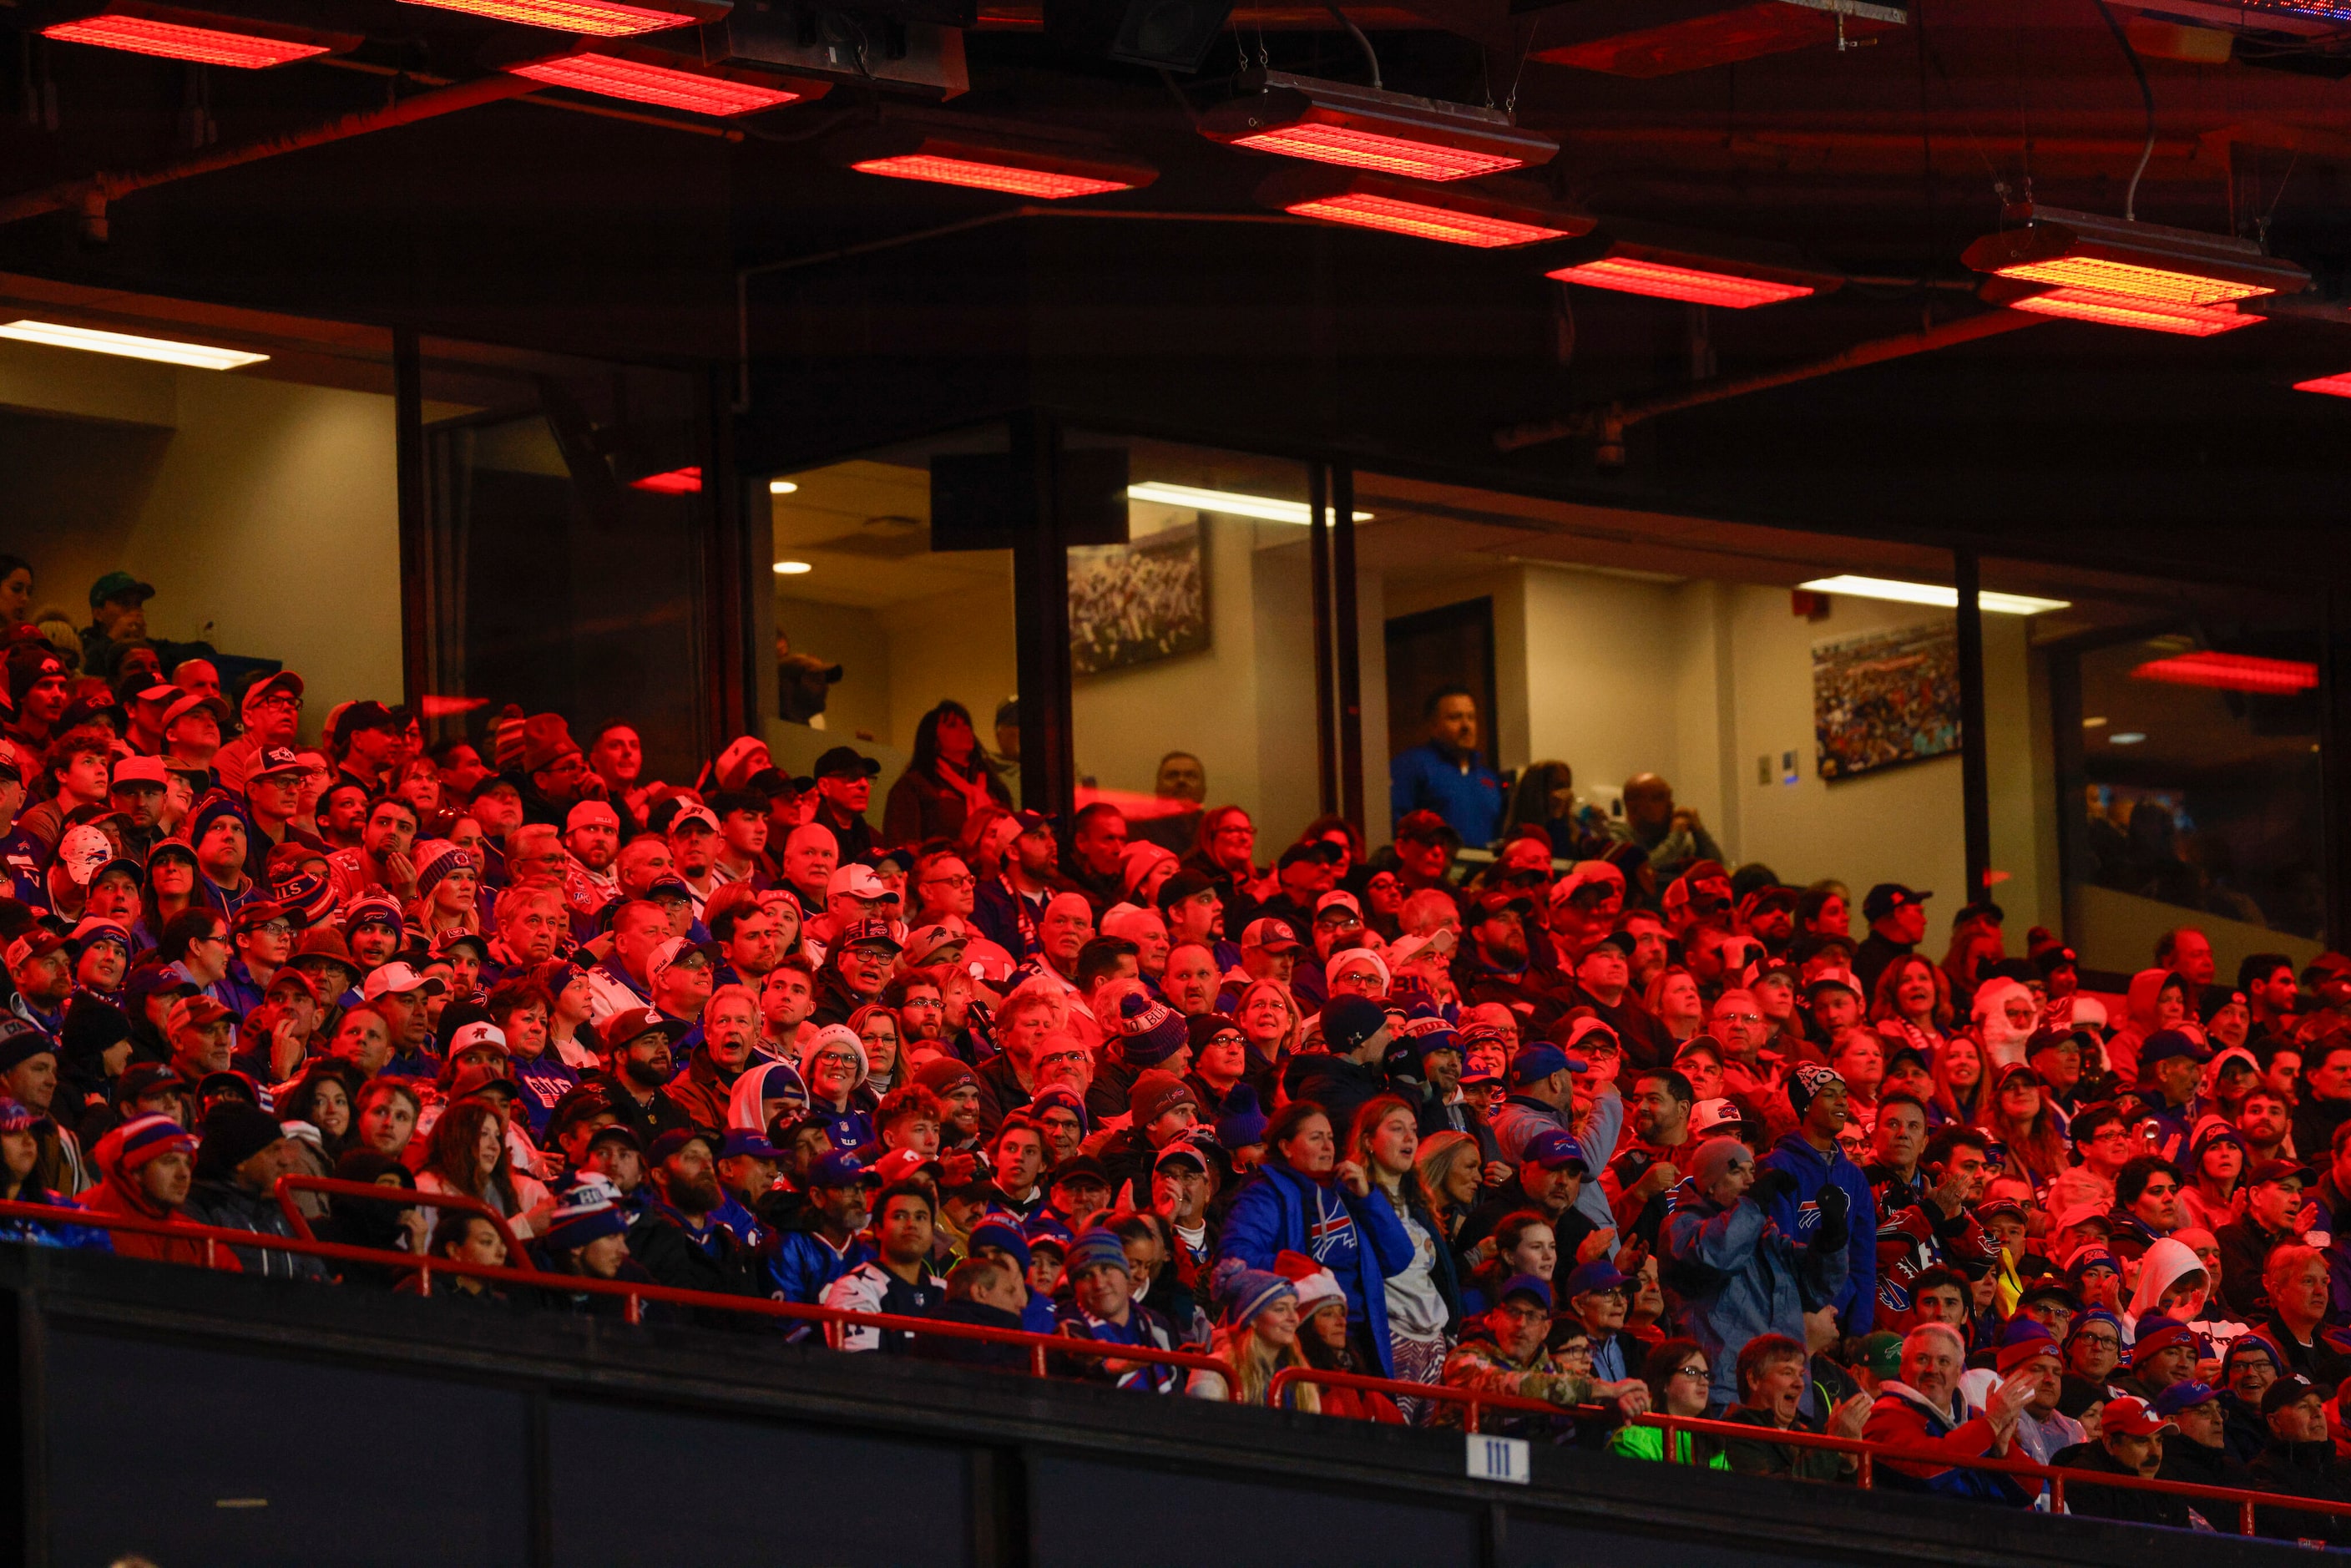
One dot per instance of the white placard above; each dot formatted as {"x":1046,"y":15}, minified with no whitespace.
{"x":1499,"y":1458}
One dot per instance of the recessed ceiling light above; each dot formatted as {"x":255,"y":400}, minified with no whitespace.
{"x":197,"y":356}
{"x":1265,"y":508}
{"x":792,"y":568}
{"x":2098,"y":722}
{"x":781,"y":487}
{"x":1931,"y":593}
{"x":2126,"y":738}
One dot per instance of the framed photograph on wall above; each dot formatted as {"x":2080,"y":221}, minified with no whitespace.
{"x":1883,"y":698}
{"x":1142,"y":600}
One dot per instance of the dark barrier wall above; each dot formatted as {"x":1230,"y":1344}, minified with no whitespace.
{"x":201,"y":1419}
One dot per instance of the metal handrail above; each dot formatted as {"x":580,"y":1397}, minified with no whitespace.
{"x":405,"y":1197}
{"x":634,"y":1294}
{"x":1868,"y":1453}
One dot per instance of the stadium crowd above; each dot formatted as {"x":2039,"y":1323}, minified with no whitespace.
{"x":1626,"y":1133}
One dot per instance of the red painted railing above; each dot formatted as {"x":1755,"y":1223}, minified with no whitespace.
{"x":399,"y":1197}
{"x":634,"y":1294}
{"x":1868,"y":1454}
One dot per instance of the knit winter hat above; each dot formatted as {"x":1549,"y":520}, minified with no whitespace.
{"x":14,"y":1116}
{"x":1062,"y":1095}
{"x":585,"y":1210}
{"x":1244,"y":1291}
{"x":1002,"y":1233}
{"x":1154,"y":1094}
{"x":1149,"y":1032}
{"x":2159,"y":1332}
{"x":2024,"y":1339}
{"x":1807,"y":1080}
{"x":1713,"y":1162}
{"x":546,"y":741}
{"x":436,"y":859}
{"x":129,"y":1147}
{"x":1094,"y":1248}
{"x":233,"y":1132}
{"x":1239,"y":1121}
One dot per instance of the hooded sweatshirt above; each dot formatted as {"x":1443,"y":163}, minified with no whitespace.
{"x":1798,"y":1214}
{"x":1739,"y":1273}
{"x":2121,"y":1046}
{"x":746,"y":1103}
{"x":2003,"y":1041}
{"x":2166,"y":1262}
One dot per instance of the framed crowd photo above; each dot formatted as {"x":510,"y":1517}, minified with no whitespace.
{"x":1142,"y":600}
{"x":1885,"y":698}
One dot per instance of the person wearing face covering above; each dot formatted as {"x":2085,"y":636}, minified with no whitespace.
{"x":764,"y":1092}
{"x":2005,"y":1015}
{"x":1737,"y":1273}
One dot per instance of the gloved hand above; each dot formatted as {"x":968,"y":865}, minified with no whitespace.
{"x":1772,"y":1185}
{"x":1832,"y":1201}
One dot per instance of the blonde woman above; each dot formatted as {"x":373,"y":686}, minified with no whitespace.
{"x":1259,"y":1338}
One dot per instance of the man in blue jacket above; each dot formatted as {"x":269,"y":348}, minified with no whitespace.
{"x":1446,"y":775}
{"x":1810,"y":1156}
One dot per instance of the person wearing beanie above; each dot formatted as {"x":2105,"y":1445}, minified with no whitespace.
{"x":1740,"y":1273}
{"x":1240,"y":1128}
{"x":1102,"y":1308}
{"x":2044,"y":1431}
{"x":1350,"y":1071}
{"x":448,"y":891}
{"x":1162,"y":1109}
{"x":145,"y":1166}
{"x":20,"y":1181}
{"x":999,"y":1237}
{"x":1145,"y":1034}
{"x":1813,"y":1160}
{"x":1256,"y":1335}
{"x":587,"y":1238}
{"x":243,"y":1153}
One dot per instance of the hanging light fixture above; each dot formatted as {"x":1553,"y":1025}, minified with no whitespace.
{"x":1487,"y":218}
{"x":980,"y":159}
{"x":670,"y":81}
{"x":1701,"y":268}
{"x":1372,"y":128}
{"x":2124,"y":310}
{"x":2139,"y":261}
{"x":595,"y":18}
{"x":197,"y":37}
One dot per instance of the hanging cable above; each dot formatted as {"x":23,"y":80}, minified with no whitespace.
{"x":2147,"y":96}
{"x":1361,"y":42}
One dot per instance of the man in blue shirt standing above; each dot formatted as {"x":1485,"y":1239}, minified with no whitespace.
{"x":1446,"y":775}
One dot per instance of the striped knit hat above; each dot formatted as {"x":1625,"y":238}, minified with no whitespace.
{"x":129,"y":1147}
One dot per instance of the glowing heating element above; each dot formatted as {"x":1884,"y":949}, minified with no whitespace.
{"x":2150,"y":315}
{"x":2122,"y":277}
{"x":1661,"y":281}
{"x":676,"y":482}
{"x":1357,"y":149}
{"x":2231,"y":672}
{"x":1046,"y":184}
{"x":613,"y":77}
{"x":1423,"y":222}
{"x":181,"y":41}
{"x":2331,"y":386}
{"x":597,"y":19}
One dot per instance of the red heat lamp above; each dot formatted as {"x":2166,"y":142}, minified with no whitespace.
{"x":1485,"y":219}
{"x":2122,"y":310}
{"x":1047,"y":170}
{"x":2231,"y":673}
{"x":667,"y":81}
{"x":676,"y":482}
{"x":597,"y":18}
{"x":1374,"y":130}
{"x":2084,"y":253}
{"x":1665,"y":264}
{"x":198,"y":36}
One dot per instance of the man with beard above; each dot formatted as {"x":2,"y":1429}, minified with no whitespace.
{"x":1494,"y":966}
{"x":678,"y":1239}
{"x":382,"y":862}
{"x":638,"y":1065}
{"x":1604,"y":981}
{"x":591,"y":836}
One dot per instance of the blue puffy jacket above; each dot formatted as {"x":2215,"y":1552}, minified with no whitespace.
{"x":1800,"y":1215}
{"x":800,"y":1263}
{"x":1270,"y":1218}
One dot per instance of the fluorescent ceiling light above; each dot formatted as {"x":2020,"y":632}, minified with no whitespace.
{"x":792,"y":568}
{"x":2128,"y":737}
{"x":781,"y":487}
{"x":197,"y":356}
{"x":1932,"y":593}
{"x":1263,"y":507}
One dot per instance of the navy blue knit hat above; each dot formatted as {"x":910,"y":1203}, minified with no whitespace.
{"x":587,"y":1209}
{"x":1239,"y":1123}
{"x":1094,"y":1247}
{"x":1149,"y":1032}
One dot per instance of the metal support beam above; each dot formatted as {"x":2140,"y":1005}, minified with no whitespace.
{"x":1349,"y":642}
{"x":1040,"y":606}
{"x":415,"y":510}
{"x":1975,"y":770}
{"x":1326,"y":709}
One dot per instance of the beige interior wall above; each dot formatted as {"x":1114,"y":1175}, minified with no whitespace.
{"x":265,"y":512}
{"x":856,"y":640}
{"x":958,"y":645}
